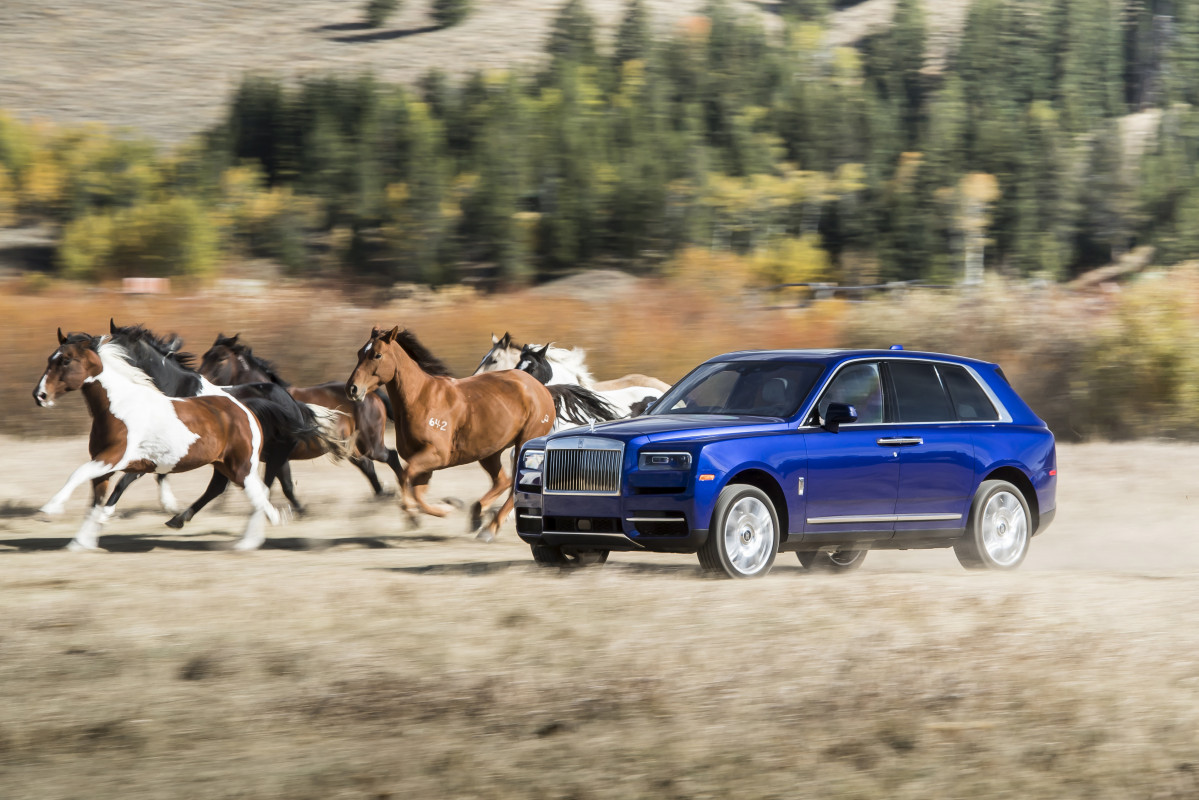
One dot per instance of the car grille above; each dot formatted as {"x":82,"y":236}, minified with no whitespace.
{"x":583,"y":471}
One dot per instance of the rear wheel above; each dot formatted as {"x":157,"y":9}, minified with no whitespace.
{"x":550,"y":556}
{"x":840,"y":561}
{"x":744,"y":536}
{"x":999,"y":528}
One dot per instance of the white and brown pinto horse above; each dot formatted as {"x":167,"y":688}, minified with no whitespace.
{"x":443,"y":422}
{"x":138,"y":429}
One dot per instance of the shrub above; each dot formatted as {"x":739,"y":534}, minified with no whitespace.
{"x":175,"y":237}
{"x":377,"y":11}
{"x":448,"y":13}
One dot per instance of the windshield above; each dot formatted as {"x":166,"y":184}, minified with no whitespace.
{"x":758,"y":388}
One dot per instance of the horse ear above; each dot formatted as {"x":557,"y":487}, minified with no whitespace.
{"x":545,"y":349}
{"x":112,"y":326}
{"x":506,"y":341}
{"x":217,"y":341}
{"x":375,"y":331}
{"x":176,"y":343}
{"x":391,"y":335}
{"x":494,"y":338}
{"x":234,"y":339}
{"x":61,"y":339}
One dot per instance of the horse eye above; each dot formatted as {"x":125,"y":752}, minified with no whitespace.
{"x":378,"y":356}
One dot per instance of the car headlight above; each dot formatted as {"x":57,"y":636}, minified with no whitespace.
{"x":675,"y":461}
{"x":528,"y":477}
{"x":532,"y":459}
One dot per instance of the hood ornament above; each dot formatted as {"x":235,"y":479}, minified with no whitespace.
{"x":592,"y":428}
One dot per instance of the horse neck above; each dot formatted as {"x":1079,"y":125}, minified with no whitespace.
{"x":98,"y":403}
{"x":409,"y":379}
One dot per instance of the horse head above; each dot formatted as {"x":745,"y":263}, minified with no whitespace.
{"x":502,"y":355}
{"x":533,"y":360}
{"x":68,"y":367}
{"x":220,"y":364}
{"x":377,"y":363}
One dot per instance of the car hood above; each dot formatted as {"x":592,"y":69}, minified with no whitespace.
{"x":678,"y":427}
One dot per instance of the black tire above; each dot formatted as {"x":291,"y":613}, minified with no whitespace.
{"x":998,"y":529}
{"x":840,"y":561}
{"x":748,"y":548}
{"x":550,"y":556}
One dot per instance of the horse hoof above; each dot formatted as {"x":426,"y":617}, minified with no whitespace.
{"x":385,"y":493}
{"x":486,"y":536}
{"x":247,"y":545}
{"x":80,"y":547}
{"x":455,"y":502}
{"x":176,"y":522}
{"x":50,"y":510}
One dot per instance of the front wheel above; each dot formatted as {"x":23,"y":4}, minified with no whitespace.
{"x":840,"y":561}
{"x":998,"y":530}
{"x":744,"y":536}
{"x":550,"y":556}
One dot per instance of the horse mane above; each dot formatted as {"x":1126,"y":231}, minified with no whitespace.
{"x":172,"y":371}
{"x":116,"y":358}
{"x":431,"y":364}
{"x":165,"y":346}
{"x":244,"y":350}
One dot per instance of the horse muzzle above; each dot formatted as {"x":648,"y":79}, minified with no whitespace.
{"x":44,"y":400}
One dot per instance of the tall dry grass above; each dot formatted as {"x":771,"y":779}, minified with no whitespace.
{"x":1116,"y":364}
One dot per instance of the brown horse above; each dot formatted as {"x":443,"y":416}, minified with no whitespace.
{"x":442,"y":422}
{"x":229,"y":362}
{"x":138,"y":429}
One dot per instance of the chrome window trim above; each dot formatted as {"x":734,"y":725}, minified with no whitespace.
{"x":1004,"y":415}
{"x":883,"y":518}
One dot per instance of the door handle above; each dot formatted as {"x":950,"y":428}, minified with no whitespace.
{"x":900,"y":441}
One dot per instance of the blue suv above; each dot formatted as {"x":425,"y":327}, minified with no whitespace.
{"x":828,"y":453}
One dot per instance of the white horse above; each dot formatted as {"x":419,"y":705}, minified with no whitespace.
{"x":621,"y":402}
{"x":568,"y":366}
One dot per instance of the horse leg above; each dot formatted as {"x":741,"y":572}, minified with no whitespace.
{"x":166,"y":498}
{"x":367,"y":467}
{"x":420,"y":485}
{"x":215,"y":487}
{"x":88,"y":536}
{"x":494,"y":465}
{"x":127,"y":478}
{"x":260,"y":498}
{"x":84,"y":472}
{"x":420,"y":465}
{"x":276,"y":465}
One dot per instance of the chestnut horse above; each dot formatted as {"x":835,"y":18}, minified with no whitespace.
{"x":231,"y":362}
{"x":443,"y":422}
{"x":138,"y":429}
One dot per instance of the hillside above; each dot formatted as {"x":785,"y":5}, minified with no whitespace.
{"x":166,"y":70}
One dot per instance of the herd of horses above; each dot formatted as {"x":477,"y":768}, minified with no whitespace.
{"x":154,"y":409}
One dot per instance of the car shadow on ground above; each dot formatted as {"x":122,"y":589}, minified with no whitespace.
{"x":491,"y":567}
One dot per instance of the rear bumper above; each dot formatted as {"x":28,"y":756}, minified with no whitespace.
{"x":1044,"y":518}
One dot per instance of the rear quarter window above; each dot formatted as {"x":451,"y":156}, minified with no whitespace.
{"x":970,"y":402}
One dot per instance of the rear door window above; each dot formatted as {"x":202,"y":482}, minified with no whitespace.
{"x":969,"y":400}
{"x":919,"y":394}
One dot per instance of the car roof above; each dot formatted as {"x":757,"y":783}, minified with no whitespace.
{"x":836,"y":356}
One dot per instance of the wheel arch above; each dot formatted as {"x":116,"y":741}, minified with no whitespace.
{"x":1016,"y":477}
{"x":763,"y":480}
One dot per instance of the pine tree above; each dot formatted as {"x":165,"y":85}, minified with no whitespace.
{"x":633,"y":39}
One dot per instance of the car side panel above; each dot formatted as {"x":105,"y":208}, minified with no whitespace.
{"x":782,"y":456}
{"x":937,"y":477}
{"x":1027,"y":448}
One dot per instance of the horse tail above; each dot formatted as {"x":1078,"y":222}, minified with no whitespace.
{"x":386,"y":402}
{"x":580,"y":406}
{"x":287,"y":423}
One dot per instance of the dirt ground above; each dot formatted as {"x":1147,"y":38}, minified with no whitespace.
{"x":354,"y":658}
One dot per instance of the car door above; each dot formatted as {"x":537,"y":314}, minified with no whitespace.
{"x":852,"y":482}
{"x":936,"y":452}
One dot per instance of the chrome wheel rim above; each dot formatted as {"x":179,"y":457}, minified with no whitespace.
{"x":748,"y":535}
{"x":1004,"y":529}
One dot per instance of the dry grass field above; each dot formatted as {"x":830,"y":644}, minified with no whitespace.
{"x":354,"y":658}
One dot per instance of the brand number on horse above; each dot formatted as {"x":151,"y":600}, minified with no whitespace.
{"x":439,"y":424}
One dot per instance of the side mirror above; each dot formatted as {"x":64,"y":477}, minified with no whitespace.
{"x":838,"y":414}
